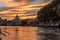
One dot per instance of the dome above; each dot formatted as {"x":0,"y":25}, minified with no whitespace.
{"x":17,"y":20}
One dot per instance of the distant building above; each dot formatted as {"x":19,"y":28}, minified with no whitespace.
{"x":3,"y":22}
{"x":15,"y":22}
{"x":32,"y":22}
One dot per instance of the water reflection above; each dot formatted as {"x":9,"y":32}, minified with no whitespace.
{"x":18,"y":33}
{"x":28,"y":33}
{"x":49,"y":33}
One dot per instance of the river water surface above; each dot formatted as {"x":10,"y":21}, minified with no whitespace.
{"x":26,"y":33}
{"x":18,"y":33}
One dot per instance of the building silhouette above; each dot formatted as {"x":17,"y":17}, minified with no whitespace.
{"x":15,"y":22}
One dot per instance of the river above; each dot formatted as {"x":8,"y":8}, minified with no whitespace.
{"x":27,"y":33}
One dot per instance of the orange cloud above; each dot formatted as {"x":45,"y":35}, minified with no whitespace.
{"x":22,"y":10}
{"x":5,"y":0}
{"x":14,"y":3}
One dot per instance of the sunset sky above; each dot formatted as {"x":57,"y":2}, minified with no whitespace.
{"x":24,"y":8}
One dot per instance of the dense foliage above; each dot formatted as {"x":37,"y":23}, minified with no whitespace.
{"x":49,"y":11}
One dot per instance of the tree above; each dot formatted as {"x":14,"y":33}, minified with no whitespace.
{"x":49,"y":11}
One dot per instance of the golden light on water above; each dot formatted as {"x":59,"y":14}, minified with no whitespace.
{"x":23,"y":33}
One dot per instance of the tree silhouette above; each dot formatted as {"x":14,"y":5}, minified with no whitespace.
{"x":3,"y":33}
{"x":49,"y":11}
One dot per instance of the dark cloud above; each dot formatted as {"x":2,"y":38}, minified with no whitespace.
{"x":22,"y":0}
{"x":5,"y":8}
{"x":16,"y":0}
{"x":46,"y":0}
